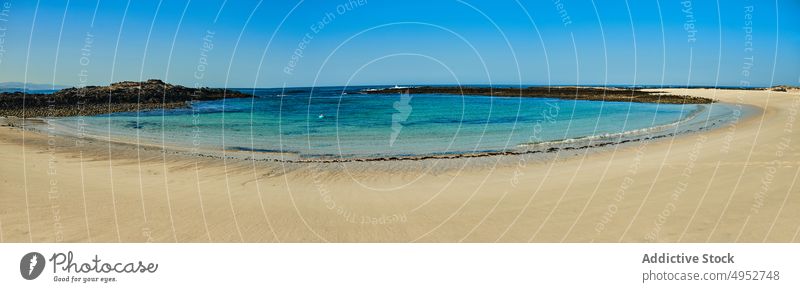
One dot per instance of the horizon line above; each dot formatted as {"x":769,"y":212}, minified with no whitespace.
{"x":59,"y":86}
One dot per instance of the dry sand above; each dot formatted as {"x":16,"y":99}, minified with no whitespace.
{"x":731,"y":184}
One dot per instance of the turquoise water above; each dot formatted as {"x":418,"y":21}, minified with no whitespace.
{"x":334,"y":122}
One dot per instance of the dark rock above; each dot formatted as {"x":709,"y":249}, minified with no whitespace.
{"x":125,"y":96}
{"x":577,"y":93}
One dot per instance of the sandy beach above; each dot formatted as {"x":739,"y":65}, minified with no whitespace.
{"x":731,"y":184}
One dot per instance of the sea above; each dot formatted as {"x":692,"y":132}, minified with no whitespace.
{"x":345,"y":122}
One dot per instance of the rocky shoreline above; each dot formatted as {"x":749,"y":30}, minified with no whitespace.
{"x":153,"y":94}
{"x":576,"y":93}
{"x":126,"y":96}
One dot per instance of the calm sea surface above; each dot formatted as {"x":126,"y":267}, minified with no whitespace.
{"x":334,"y":121}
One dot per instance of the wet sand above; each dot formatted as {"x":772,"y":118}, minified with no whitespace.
{"x":731,"y":184}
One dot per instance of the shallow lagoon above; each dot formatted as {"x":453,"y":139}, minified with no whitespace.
{"x":338,"y":122}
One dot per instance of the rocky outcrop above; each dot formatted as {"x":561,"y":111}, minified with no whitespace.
{"x":579,"y":93}
{"x":784,"y":88}
{"x":123,"y":96}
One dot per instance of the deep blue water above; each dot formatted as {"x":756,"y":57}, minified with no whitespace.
{"x":343,"y":122}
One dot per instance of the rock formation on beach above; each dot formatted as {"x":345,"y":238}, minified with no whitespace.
{"x":784,"y":88}
{"x":579,"y":93}
{"x":125,"y":96}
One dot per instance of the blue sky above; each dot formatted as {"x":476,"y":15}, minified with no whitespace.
{"x":400,"y":42}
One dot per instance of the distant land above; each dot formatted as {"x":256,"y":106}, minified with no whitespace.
{"x":19,"y":86}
